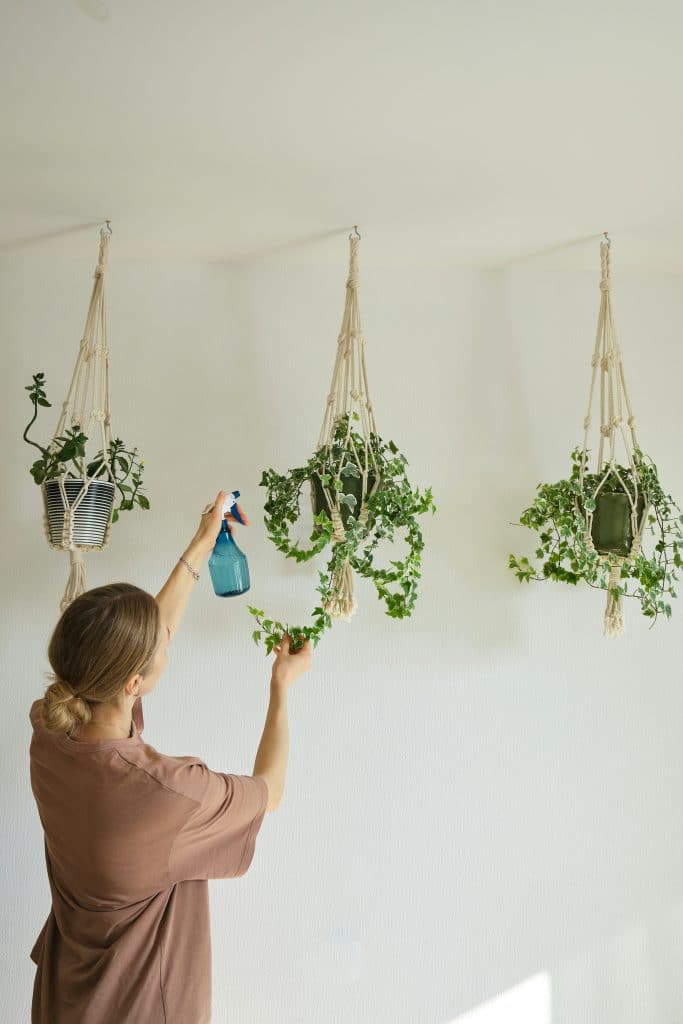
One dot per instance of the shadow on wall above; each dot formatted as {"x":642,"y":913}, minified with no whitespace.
{"x":13,"y":244}
{"x":491,"y":435}
{"x":633,"y":977}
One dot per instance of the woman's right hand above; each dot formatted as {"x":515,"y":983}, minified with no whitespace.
{"x":210,"y":524}
{"x":288,"y":666}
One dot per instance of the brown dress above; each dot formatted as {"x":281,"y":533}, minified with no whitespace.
{"x":131,"y":837}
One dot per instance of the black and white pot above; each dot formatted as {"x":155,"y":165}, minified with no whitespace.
{"x":612,"y":528}
{"x":91,"y":518}
{"x":352,"y":485}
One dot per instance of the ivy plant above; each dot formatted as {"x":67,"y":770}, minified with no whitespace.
{"x":559,"y":516}
{"x":393,"y":504}
{"x":66,"y":456}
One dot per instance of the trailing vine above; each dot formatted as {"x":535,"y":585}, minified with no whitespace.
{"x":558,"y":515}
{"x":391,"y":504}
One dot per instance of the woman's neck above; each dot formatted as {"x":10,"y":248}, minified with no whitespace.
{"x":112,"y":727}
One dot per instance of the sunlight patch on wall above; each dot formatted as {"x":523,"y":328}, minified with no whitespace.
{"x":530,"y":1002}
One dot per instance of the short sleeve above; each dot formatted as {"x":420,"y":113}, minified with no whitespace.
{"x":218,"y":837}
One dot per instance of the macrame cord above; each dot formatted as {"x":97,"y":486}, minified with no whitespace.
{"x":617,"y":422}
{"x":349,"y":394}
{"x":86,"y":404}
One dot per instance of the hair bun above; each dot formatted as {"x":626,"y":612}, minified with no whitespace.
{"x":63,"y":709}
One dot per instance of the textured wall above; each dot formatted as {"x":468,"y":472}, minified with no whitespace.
{"x":485,"y":793}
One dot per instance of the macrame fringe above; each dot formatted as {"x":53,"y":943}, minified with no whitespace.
{"x":342,"y":603}
{"x":76,"y":583}
{"x":614,"y":614}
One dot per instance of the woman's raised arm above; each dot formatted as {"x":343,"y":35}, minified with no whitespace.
{"x":175,"y":593}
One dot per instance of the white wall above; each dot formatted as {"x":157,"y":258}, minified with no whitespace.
{"x":487,"y":792}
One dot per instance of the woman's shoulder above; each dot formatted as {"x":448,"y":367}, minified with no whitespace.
{"x":186,"y":776}
{"x":34,"y":712}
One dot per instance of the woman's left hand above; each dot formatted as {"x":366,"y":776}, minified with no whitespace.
{"x":210,"y":523}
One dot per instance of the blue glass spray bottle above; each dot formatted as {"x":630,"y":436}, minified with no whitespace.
{"x":228,"y":565}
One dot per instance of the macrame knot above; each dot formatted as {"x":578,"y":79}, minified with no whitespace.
{"x":99,"y":270}
{"x":330,"y":399}
{"x":355,"y":394}
{"x":352,"y":281}
{"x":339,"y":532}
{"x":631,"y":422}
{"x":605,"y":284}
{"x":614,"y":616}
{"x":98,"y":415}
{"x":586,"y":423}
{"x":606,"y":429}
{"x":604,"y":363}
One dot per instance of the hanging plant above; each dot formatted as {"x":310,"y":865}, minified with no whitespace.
{"x":568,"y":554}
{"x":66,"y":457}
{"x":79,"y":492}
{"x":592,"y":525}
{"x":360,"y":495}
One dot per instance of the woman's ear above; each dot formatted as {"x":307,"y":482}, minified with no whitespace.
{"x":132,"y":687}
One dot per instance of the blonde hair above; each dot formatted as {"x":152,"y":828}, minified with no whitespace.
{"x":102,"y":639}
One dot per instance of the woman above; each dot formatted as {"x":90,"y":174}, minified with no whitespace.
{"x":132,"y":835}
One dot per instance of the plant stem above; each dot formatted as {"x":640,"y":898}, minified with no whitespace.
{"x":43,"y":451}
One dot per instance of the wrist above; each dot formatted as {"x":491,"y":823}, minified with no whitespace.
{"x":278,"y":690}
{"x":193,"y":559}
{"x":195,"y":553}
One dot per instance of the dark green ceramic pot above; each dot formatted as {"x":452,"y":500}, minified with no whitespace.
{"x":352,"y":485}
{"x":612,"y":531}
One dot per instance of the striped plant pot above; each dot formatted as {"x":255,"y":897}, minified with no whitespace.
{"x":92,"y":516}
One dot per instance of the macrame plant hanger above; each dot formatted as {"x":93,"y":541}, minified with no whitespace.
{"x":349,"y":394}
{"x":86,"y":404}
{"x":617,"y":423}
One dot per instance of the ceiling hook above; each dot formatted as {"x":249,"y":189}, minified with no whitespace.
{"x":355,"y":228}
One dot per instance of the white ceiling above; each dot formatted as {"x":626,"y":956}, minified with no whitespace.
{"x":470,"y":132}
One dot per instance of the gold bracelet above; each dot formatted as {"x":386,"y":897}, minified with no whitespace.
{"x":189,"y":568}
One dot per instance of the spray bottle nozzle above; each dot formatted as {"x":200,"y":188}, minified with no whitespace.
{"x":230,"y":505}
